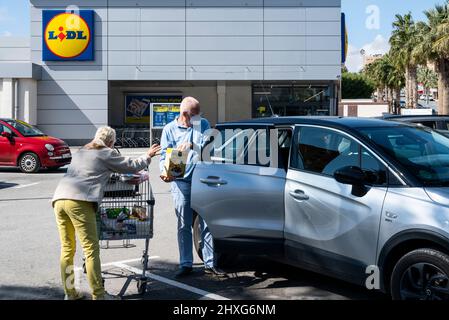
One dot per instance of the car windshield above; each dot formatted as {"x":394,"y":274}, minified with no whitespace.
{"x":25,"y":129}
{"x":424,"y":152}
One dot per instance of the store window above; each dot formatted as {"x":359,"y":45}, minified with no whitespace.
{"x":291,"y":100}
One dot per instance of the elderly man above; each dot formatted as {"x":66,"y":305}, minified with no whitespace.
{"x":186,"y":133}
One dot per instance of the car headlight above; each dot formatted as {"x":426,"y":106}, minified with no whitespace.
{"x":49,"y":147}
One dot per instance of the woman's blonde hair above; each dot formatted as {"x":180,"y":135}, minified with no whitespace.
{"x":104,"y":138}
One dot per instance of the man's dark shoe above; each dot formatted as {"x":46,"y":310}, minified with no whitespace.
{"x":183,"y":271}
{"x":214,"y":272}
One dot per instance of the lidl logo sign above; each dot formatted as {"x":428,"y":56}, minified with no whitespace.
{"x":68,"y":36}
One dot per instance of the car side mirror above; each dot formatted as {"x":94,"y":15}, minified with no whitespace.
{"x":6,"y":135}
{"x":353,"y":176}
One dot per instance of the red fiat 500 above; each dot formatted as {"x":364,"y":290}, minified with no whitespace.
{"x":26,"y":147}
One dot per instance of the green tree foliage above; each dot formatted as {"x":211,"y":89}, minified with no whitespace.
{"x":356,"y":86}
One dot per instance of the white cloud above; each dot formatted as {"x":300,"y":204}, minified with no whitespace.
{"x":5,"y":34}
{"x":354,"y":61}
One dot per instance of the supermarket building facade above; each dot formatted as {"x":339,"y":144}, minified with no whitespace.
{"x":241,"y":58}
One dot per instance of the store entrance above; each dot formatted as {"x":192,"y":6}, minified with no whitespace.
{"x":292,"y":100}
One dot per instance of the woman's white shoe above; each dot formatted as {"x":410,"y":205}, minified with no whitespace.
{"x":108,"y":296}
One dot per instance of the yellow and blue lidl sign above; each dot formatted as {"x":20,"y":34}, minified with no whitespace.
{"x":68,"y":36}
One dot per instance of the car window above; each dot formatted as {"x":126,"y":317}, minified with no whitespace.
{"x":252,"y":146}
{"x":325,"y":151}
{"x":429,"y":124}
{"x":4,"y":128}
{"x":445,"y":125}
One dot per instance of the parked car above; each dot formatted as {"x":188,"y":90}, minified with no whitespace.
{"x":346,"y":194}
{"x":438,"y":123}
{"x":26,"y":147}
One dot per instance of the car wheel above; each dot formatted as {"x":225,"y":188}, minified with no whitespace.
{"x":29,"y":163}
{"x":222,"y":259}
{"x":422,"y":274}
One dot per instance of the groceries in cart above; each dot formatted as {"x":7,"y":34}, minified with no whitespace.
{"x":175,"y":163}
{"x":134,"y":179}
{"x":119,"y":223}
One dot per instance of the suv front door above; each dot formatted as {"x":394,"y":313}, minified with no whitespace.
{"x":325,"y":225}
{"x":241,"y":197}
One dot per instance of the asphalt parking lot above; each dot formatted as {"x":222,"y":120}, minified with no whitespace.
{"x":29,"y":255}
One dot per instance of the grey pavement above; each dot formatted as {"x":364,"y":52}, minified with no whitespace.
{"x":29,"y":254}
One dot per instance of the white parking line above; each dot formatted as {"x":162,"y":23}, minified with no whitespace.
{"x":203,"y":293}
{"x":26,"y":185}
{"x":109,"y":264}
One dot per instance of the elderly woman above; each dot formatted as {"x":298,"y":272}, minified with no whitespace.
{"x":76,"y":201}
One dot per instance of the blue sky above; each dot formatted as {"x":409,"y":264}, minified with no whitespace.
{"x":368,"y":21}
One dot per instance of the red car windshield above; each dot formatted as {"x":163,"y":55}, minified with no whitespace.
{"x":25,"y":129}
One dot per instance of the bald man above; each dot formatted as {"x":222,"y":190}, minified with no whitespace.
{"x":186,"y":133}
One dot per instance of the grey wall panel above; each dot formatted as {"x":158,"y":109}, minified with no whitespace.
{"x":302,"y":3}
{"x":285,"y":43}
{"x":147,"y":14}
{"x":15,"y":54}
{"x":323,"y":14}
{"x":72,"y":87}
{"x":276,"y":58}
{"x":146,"y":29}
{"x":324,"y":43}
{"x":147,"y":73}
{"x":62,"y":72}
{"x":147,"y":43}
{"x":284,"y":14}
{"x":224,"y":28}
{"x":224,"y":73}
{"x":82,"y":102}
{"x":323,"y":58}
{"x":72,"y":117}
{"x":302,"y":73}
{"x":324,"y":28}
{"x":100,"y":59}
{"x":227,"y":3}
{"x":285,"y":28}
{"x":14,"y":42}
{"x":224,"y":58}
{"x":225,"y":14}
{"x":146,"y":58}
{"x":224,"y":43}
{"x":74,"y":131}
{"x":147,"y":3}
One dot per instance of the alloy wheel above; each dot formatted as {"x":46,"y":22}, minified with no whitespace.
{"x":424,"y":281}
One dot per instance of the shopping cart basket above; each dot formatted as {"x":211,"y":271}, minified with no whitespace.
{"x":126,"y":213}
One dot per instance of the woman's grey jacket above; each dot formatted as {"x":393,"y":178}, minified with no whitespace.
{"x":89,"y":171}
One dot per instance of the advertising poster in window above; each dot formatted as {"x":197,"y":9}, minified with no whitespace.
{"x":163,"y":114}
{"x":138,"y":108}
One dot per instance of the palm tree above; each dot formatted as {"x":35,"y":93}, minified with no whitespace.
{"x":403,"y":42}
{"x":433,"y":45}
{"x":387,"y":77}
{"x":428,"y":78}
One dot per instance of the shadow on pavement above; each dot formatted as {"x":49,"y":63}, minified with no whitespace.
{"x":6,"y":185}
{"x":30,"y":293}
{"x":255,"y":278}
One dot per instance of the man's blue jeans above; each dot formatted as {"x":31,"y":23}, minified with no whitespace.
{"x":181,"y":195}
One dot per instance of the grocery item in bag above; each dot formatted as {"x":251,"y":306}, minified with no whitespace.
{"x":139,"y":212}
{"x":175,"y":163}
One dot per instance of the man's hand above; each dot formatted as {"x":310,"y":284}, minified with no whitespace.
{"x":154,"y":149}
{"x":167,"y":179}
{"x":185,"y":146}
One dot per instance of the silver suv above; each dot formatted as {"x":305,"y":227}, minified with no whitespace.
{"x":363,"y":200}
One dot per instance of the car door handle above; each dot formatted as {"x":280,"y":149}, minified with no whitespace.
{"x":213,"y":181}
{"x":299,"y":195}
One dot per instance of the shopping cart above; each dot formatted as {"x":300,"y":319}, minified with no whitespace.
{"x":127,"y":213}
